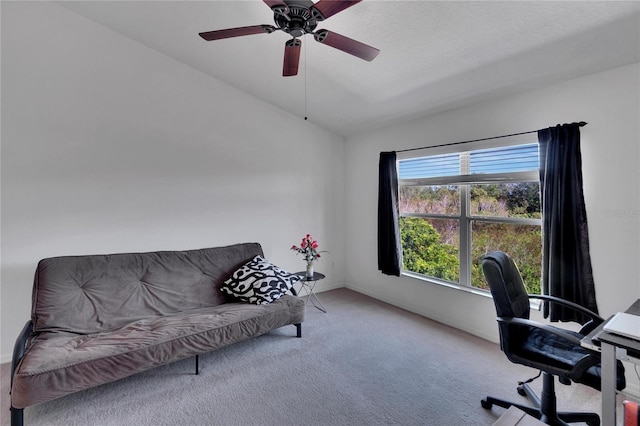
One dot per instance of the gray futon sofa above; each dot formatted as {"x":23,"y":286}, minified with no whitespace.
{"x":99,"y":318}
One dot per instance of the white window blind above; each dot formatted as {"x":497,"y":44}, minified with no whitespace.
{"x":432,"y":166}
{"x":522,"y":158}
{"x":519,"y":162}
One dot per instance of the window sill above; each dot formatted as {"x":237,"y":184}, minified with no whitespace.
{"x":534,"y":304}
{"x":431,"y":280}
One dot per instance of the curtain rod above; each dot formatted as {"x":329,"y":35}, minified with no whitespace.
{"x":581,"y":124}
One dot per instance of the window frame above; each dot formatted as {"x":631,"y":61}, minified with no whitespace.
{"x":465,"y":218}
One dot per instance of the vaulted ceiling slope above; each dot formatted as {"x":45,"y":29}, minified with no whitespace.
{"x":435,"y":55}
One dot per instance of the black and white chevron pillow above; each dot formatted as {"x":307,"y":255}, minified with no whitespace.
{"x":259,"y":281}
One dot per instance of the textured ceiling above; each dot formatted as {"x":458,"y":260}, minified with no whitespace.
{"x":435,"y":55}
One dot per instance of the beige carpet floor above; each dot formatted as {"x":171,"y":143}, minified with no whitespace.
{"x":364,"y":362}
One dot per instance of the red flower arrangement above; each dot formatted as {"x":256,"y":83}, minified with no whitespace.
{"x":308,"y":248}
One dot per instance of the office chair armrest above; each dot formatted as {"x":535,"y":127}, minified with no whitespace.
{"x":588,"y":326}
{"x":585,"y":363}
{"x":568,"y":304}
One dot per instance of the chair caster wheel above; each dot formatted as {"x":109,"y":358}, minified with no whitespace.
{"x":521,"y":391}
{"x":486,"y":404}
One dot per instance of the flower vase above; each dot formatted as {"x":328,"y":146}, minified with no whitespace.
{"x":309,"y":273}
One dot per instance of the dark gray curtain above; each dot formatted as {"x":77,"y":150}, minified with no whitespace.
{"x":566,"y":263}
{"x":389,"y":247}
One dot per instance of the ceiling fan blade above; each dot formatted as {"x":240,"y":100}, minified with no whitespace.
{"x":291,"y":57}
{"x":237,"y":32}
{"x":278,"y":6}
{"x":347,"y":45}
{"x":327,"y":8}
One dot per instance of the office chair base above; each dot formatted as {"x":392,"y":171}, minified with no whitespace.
{"x":544,"y":409}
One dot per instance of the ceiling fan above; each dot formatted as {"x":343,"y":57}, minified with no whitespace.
{"x":297,"y":18}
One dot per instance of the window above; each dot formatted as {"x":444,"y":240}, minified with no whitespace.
{"x":456,"y":207}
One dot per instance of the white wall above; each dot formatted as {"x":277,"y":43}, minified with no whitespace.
{"x":108,"y":146}
{"x":608,"y":101}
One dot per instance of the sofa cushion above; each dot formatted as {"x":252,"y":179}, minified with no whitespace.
{"x":58,"y":364}
{"x":259,"y":281}
{"x":96,"y":293}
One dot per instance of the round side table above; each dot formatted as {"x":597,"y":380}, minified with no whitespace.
{"x":308,"y":284}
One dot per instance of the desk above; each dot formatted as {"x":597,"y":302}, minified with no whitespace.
{"x":613,"y":347}
{"x":308,"y":284}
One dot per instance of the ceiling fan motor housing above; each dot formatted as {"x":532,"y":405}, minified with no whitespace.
{"x":297,"y":22}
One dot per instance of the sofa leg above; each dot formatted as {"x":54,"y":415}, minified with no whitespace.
{"x":298,"y":330}
{"x":197,"y":364}
{"x":16,"y":416}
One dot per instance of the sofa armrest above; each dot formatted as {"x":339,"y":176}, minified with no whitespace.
{"x":20,"y":346}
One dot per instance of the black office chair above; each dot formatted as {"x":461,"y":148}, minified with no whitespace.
{"x":552,"y":350}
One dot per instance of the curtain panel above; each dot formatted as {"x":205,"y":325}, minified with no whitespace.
{"x":566,"y":269}
{"x":389,"y":247}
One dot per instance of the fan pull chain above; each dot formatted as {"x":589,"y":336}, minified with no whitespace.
{"x":305,"y":83}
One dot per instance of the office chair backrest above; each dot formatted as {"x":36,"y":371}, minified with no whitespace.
{"x":507,"y":288}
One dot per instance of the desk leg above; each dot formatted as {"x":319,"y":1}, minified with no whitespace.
{"x":608,"y":384}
